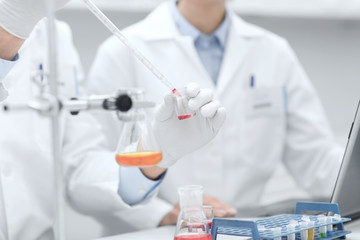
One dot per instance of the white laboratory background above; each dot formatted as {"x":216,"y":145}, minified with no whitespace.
{"x":325,"y":34}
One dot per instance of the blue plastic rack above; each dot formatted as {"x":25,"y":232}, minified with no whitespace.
{"x":239,"y":227}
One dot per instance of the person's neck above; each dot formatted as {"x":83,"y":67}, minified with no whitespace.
{"x":206,"y":17}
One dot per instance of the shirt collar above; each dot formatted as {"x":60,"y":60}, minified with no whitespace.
{"x":187,"y":29}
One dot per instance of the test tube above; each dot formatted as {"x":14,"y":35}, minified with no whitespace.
{"x":329,"y":228}
{"x":294,"y":222}
{"x":182,"y":105}
{"x":277,"y":232}
{"x":311,"y":231}
{"x":322,"y":229}
{"x":291,"y":228}
{"x":304,"y":233}
{"x":261,"y":228}
{"x":337,"y":217}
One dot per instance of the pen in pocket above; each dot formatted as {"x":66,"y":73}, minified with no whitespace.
{"x":252,"y":81}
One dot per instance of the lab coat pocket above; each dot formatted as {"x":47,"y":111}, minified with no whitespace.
{"x":265,"y":101}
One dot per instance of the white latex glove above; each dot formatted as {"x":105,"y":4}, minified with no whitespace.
{"x":19,"y":17}
{"x":177,"y":138}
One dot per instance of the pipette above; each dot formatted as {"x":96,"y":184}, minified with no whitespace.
{"x":111,"y":26}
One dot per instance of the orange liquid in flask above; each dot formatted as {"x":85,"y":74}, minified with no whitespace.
{"x":139,"y":158}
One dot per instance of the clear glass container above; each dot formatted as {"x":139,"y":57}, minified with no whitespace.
{"x":192,"y":223}
{"x":182,"y":105}
{"x":209,"y":214}
{"x":136,"y":146}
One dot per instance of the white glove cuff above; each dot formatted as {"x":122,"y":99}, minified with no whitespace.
{"x":16,"y":20}
{"x":12,"y":29}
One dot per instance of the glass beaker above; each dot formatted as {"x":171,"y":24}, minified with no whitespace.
{"x":192,"y":223}
{"x":209,"y":214}
{"x":132,"y":150}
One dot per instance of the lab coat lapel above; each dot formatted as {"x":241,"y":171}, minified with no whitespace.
{"x":169,"y":32}
{"x":188,"y":48}
{"x":239,"y":44}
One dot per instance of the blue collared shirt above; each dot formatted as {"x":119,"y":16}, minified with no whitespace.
{"x":5,"y":67}
{"x":134,"y":187}
{"x":209,"y":47}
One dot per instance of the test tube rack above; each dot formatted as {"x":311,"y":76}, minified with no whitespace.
{"x":237,"y":227}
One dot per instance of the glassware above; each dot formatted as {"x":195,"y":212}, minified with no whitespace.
{"x":137,"y":146}
{"x":117,"y":33}
{"x":291,"y":228}
{"x":311,"y":231}
{"x":322,"y":229}
{"x":304,"y":233}
{"x":192,"y":223}
{"x":329,"y":228}
{"x":209,"y":214}
{"x":277,"y":232}
{"x":182,"y":105}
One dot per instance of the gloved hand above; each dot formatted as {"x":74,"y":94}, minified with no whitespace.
{"x":177,"y":138}
{"x":19,"y":17}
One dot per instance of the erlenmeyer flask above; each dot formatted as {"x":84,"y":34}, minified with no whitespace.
{"x":191,"y":223}
{"x":132,"y":150}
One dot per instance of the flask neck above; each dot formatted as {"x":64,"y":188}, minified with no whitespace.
{"x":191,"y":197}
{"x":134,"y":114}
{"x":131,"y":117}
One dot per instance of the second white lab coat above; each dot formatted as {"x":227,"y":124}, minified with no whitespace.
{"x":26,"y":163}
{"x":279,"y":119}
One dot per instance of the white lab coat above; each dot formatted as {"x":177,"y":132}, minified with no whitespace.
{"x":90,"y":172}
{"x":280,"y":119}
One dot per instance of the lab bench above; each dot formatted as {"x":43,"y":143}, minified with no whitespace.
{"x":167,"y":233}
{"x":236,"y":229}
